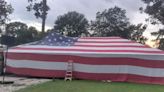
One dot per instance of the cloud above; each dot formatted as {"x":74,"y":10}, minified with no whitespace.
{"x":87,"y":7}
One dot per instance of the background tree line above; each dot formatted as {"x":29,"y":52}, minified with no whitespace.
{"x":109,"y":22}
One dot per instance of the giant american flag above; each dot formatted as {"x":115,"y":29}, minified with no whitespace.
{"x":95,"y":58}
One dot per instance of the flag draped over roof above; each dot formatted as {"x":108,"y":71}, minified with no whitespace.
{"x":97,"y":58}
{"x":54,"y":39}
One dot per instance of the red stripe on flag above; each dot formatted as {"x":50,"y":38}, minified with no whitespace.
{"x":105,"y":38}
{"x":87,"y":60}
{"x":110,"y":46}
{"x":105,"y":42}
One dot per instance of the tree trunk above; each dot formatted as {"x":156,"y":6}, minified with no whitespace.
{"x":44,"y":15}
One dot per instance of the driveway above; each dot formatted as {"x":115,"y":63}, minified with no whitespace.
{"x":19,"y":83}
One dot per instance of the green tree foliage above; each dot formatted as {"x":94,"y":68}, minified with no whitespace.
{"x":161,"y":46}
{"x":21,"y":32}
{"x":33,"y":32}
{"x":40,"y":9}
{"x":137,"y":33}
{"x":71,"y":24}
{"x":155,"y":8}
{"x":111,"y":22}
{"x":50,"y":30}
{"x":5,"y":10}
{"x":159,"y":34}
{"x":13,"y":28}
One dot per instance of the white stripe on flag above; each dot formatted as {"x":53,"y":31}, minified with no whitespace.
{"x":116,"y":69}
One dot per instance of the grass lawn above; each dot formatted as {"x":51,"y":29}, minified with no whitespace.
{"x":91,"y":86}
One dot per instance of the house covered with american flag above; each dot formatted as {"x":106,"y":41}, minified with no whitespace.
{"x":94,"y":58}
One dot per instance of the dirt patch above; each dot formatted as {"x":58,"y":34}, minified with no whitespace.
{"x":19,"y":83}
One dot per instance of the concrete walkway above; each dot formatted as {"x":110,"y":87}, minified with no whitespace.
{"x":19,"y":83}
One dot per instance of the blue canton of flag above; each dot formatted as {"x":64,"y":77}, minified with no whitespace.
{"x":54,"y":39}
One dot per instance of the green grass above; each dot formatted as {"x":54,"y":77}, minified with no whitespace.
{"x":91,"y":86}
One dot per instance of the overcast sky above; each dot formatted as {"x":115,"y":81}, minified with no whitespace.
{"x":87,"y":7}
